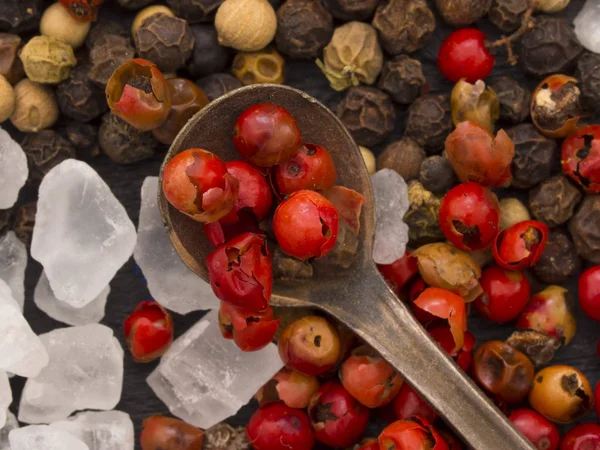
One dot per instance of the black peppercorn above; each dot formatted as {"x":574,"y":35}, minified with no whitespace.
{"x":404,"y":156}
{"x":208,"y":56}
{"x":45,"y":150}
{"x":437,"y":175}
{"x":585,"y":230}
{"x":123,"y":143}
{"x":588,"y":74}
{"x":550,"y":46}
{"x":403,"y":25}
{"x":402,"y":78}
{"x":507,"y":15}
{"x":84,"y":138}
{"x":11,"y":66}
{"x":422,"y":216}
{"x":287,"y":267}
{"x":460,"y":13}
{"x":537,"y":345}
{"x":342,"y":255}
{"x":135,"y":4}
{"x":79,"y":98}
{"x":218,"y":84}
{"x":349,"y":10}
{"x":102,"y":29}
{"x":108,"y":53}
{"x":536,"y":157}
{"x":430,"y":121}
{"x":368,"y":113}
{"x":514,"y":99}
{"x":195,"y":11}
{"x":304,"y":27}
{"x":24,"y":222}
{"x":559,"y":260}
{"x":553,"y":201}
{"x":6,"y":216}
{"x":166,"y":41}
{"x":20,"y":15}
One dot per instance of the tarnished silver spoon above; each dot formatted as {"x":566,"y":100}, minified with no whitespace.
{"x":359,"y":297}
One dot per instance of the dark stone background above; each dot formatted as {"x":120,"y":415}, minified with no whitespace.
{"x":128,"y":287}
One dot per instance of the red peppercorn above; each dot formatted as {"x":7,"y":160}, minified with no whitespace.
{"x":82,"y":10}
{"x":585,"y":436}
{"x":148,"y":331}
{"x":250,"y":330}
{"x":293,"y":388}
{"x":416,"y":289}
{"x":267,"y":135}
{"x":408,"y":404}
{"x":338,"y":419}
{"x":581,"y":158}
{"x":540,"y":431}
{"x":367,"y":444}
{"x":218,"y":233}
{"x":240,"y":272}
{"x":463,"y":356}
{"x":463,"y":55}
{"x":167,"y":433}
{"x":279,"y":427}
{"x":399,"y":272}
{"x":312,"y":168}
{"x":411,"y":434}
{"x":469,"y":216}
{"x":521,"y":245}
{"x":505,"y":294}
{"x":589,"y":292}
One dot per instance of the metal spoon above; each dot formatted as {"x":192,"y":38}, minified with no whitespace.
{"x":358,"y":297}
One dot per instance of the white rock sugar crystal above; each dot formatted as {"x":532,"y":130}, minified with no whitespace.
{"x":82,"y":234}
{"x":204,"y":379}
{"x":391,"y":203}
{"x":5,"y":397}
{"x":11,"y":424}
{"x":170,"y":281}
{"x":587,"y":25}
{"x":85,"y":372}
{"x":13,"y":170}
{"x":45,"y":299}
{"x":100,"y":430}
{"x":21,"y":351}
{"x":43,"y":437}
{"x":13,"y":261}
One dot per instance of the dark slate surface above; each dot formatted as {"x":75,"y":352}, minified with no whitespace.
{"x":128,"y":287}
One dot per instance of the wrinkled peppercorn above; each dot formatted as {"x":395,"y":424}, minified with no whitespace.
{"x":11,"y":66}
{"x":536,"y":157}
{"x":588,"y":74}
{"x":108,"y":53}
{"x":6,"y":218}
{"x":422,"y":216}
{"x":553,"y":201}
{"x":550,"y":46}
{"x":460,"y":13}
{"x":265,"y":66}
{"x":24,"y":222}
{"x":430,"y":121}
{"x":555,"y":106}
{"x":514,"y":99}
{"x":343,"y":254}
{"x":507,"y":15}
{"x":402,"y":78}
{"x":79,"y":98}
{"x":348,"y":10}
{"x":135,"y":4}
{"x":103,"y":29}
{"x":304,"y":27}
{"x":123,"y":143}
{"x":223,"y":436}
{"x":403,"y":25}
{"x":437,"y":175}
{"x":208,"y":56}
{"x":166,"y":41}
{"x":368,"y":113}
{"x":218,"y":84}
{"x":537,"y":345}
{"x":195,"y":11}
{"x":84,"y":138}
{"x":585,"y":230}
{"x":20,"y":15}
{"x":559,"y":260}
{"x":404,"y":156}
{"x":287,"y":267}
{"x":45,"y":150}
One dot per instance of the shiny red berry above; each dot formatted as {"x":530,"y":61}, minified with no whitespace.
{"x":585,"y":436}
{"x":279,"y":427}
{"x":218,"y":233}
{"x":540,"y":431}
{"x":148,"y":331}
{"x":411,"y":434}
{"x":521,"y":245}
{"x":417,"y":289}
{"x":589,"y":292}
{"x":464,"y":355}
{"x":463,"y":54}
{"x":581,"y":158}
{"x":250,"y":330}
{"x":312,"y":168}
{"x":367,"y":444}
{"x":400,"y":272}
{"x":408,"y":404}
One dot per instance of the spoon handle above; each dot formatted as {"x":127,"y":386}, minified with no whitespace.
{"x":387,"y":324}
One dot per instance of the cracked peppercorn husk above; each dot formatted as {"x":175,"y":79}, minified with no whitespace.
{"x":11,"y":66}
{"x":553,"y":201}
{"x":79,"y":98}
{"x":195,"y":11}
{"x":550,"y":46}
{"x":225,"y":437}
{"x":403,"y":25}
{"x":368,"y":114}
{"x":6,"y":220}
{"x":107,"y":54}
{"x":588,"y":74}
{"x":218,"y":84}
{"x":123,"y":143}
{"x":402,"y":78}
{"x":437,"y":175}
{"x":166,"y":41}
{"x":514,"y":99}
{"x":538,"y":346}
{"x":208,"y":56}
{"x":304,"y":27}
{"x":265,"y":66}
{"x":45,"y":150}
{"x":559,"y":260}
{"x":430,"y":121}
{"x":460,"y":13}
{"x":102,"y":29}
{"x":84,"y":138}
{"x":24,"y":222}
{"x":135,"y":4}
{"x":349,"y":10}
{"x":585,"y":230}
{"x":555,"y":106}
{"x":47,"y":60}
{"x":507,"y":15}
{"x":286,"y":267}
{"x":422,"y":216}
{"x":404,"y":156}
{"x":343,"y":254}
{"x":17,"y":16}
{"x":536,"y":157}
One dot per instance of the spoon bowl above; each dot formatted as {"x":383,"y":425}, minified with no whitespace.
{"x":358,"y":296}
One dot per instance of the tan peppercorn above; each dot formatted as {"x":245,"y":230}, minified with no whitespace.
{"x":47,"y":60}
{"x":56,"y":22}
{"x":7,"y":99}
{"x":512,"y":211}
{"x":550,"y":6}
{"x":266,"y":66}
{"x":36,"y":107}
{"x":148,"y":12}
{"x":404,"y":156}
{"x":246,"y":25}
{"x":369,"y":159}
